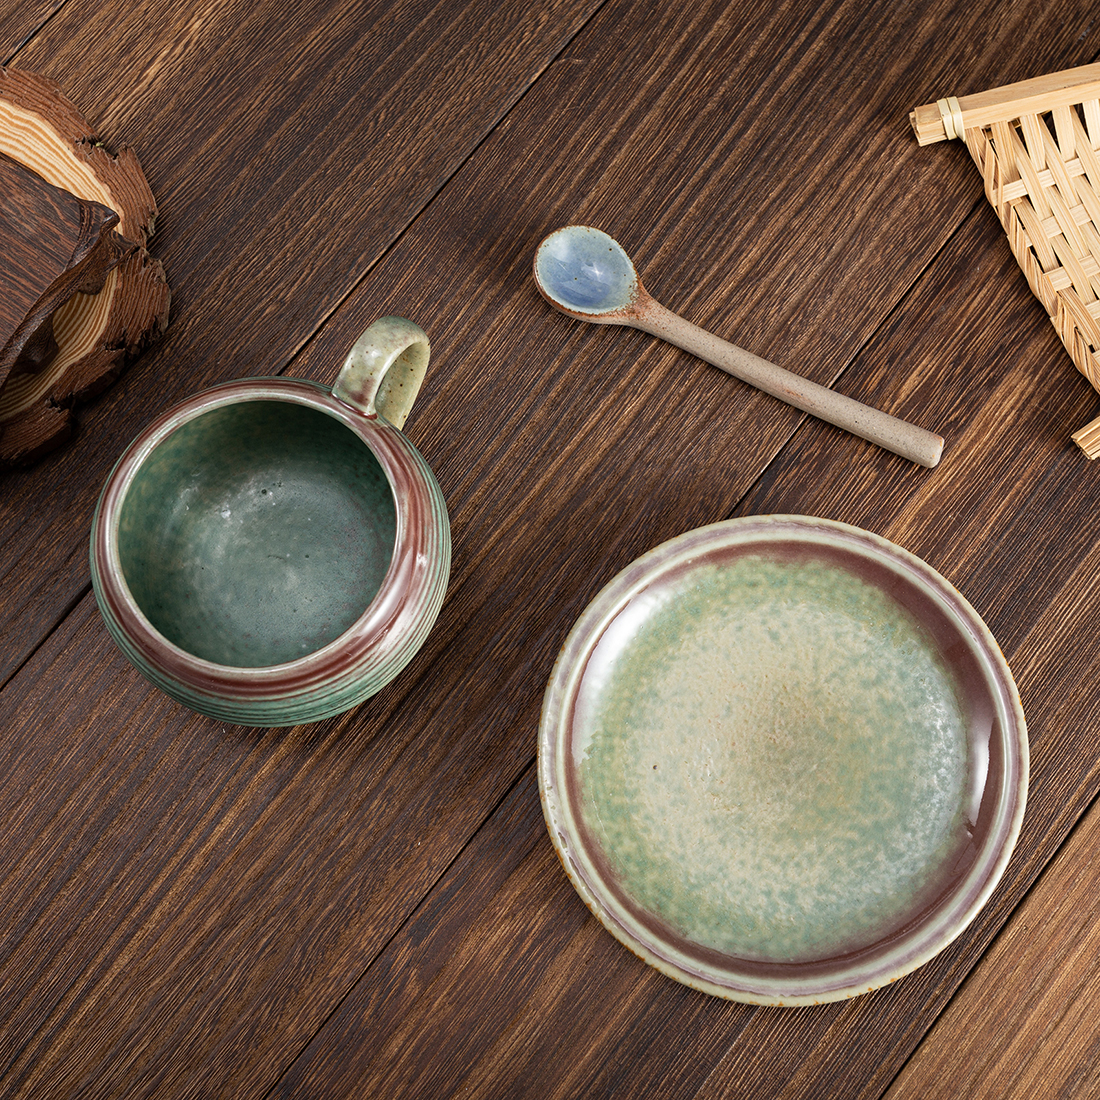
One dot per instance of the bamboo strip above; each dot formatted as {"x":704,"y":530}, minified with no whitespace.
{"x":1088,"y":438}
{"x":1042,"y":93}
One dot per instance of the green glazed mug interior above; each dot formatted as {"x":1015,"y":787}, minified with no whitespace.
{"x":257,"y":533}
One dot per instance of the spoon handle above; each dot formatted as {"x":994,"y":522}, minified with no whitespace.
{"x":899,"y":436}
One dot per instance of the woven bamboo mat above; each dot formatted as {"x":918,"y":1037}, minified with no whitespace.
{"x":1037,"y":146}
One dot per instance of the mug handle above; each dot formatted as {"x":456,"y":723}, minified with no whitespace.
{"x":383,"y":371}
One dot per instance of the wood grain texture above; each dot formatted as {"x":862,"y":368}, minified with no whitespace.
{"x":1024,"y":1023}
{"x":867,"y":493}
{"x":370,"y":905}
{"x":19,"y":23}
{"x":607,"y":1010}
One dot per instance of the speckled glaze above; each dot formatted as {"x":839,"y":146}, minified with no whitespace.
{"x":783,"y":760}
{"x":588,"y":275}
{"x":273,"y":552}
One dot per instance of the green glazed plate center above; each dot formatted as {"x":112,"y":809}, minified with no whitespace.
{"x":773,"y":757}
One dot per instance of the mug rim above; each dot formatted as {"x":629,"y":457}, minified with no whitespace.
{"x":320,"y":665}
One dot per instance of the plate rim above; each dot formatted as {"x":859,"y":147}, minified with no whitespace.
{"x":553,"y":749}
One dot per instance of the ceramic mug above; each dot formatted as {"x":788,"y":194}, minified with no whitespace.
{"x":272,"y":551}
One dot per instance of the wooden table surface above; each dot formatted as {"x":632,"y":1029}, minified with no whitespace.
{"x":370,"y":906}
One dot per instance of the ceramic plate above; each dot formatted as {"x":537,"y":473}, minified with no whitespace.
{"x":783,"y":760}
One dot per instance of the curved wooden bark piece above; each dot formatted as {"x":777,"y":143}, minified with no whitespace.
{"x":52,"y":246}
{"x":96,"y":333}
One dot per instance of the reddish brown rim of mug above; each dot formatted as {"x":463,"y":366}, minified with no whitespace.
{"x":379,"y":628}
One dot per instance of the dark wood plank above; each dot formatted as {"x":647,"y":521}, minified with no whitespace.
{"x":183,"y":874}
{"x":274,"y":203}
{"x":1043,"y":1041}
{"x":1005,"y":431}
{"x":503,"y":984}
{"x":1034,"y":591}
{"x":190,"y":902}
{"x":577,"y":1013}
{"x":754,"y":226}
{"x":19,"y":24}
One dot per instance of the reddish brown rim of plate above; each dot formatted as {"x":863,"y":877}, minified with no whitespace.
{"x":998,"y":737}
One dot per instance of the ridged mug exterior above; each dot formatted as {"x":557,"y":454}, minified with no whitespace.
{"x":354,"y":665}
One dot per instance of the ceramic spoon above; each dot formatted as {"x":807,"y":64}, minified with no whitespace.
{"x":587,"y":275}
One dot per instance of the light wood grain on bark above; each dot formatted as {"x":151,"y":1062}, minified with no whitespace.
{"x":96,"y":333}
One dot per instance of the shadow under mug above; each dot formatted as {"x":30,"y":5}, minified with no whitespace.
{"x":272,"y":551}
